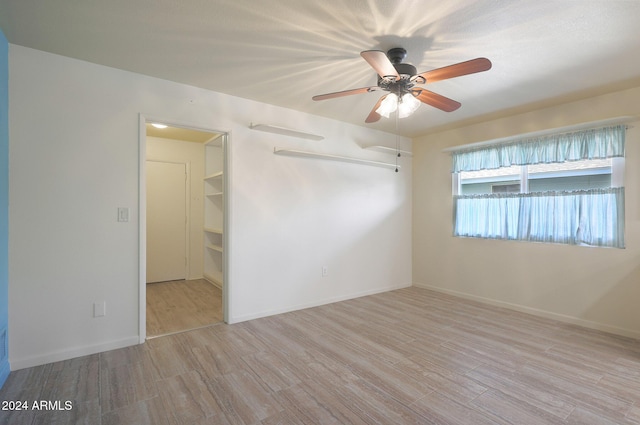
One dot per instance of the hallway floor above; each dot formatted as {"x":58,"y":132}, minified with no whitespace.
{"x":182,"y":305}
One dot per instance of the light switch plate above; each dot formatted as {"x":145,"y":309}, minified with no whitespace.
{"x":123,"y":214}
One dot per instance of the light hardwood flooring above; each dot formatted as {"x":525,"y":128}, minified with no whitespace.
{"x":409,"y":356}
{"x":181,"y":305}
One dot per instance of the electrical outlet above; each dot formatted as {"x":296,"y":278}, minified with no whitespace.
{"x":100,"y":309}
{"x":325,"y":271}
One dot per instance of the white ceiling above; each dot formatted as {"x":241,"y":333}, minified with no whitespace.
{"x":285,"y":51}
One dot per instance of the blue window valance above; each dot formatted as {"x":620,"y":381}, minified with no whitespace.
{"x":599,"y":143}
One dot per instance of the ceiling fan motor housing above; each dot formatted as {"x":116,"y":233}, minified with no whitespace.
{"x":406,"y":71}
{"x":396,"y":55}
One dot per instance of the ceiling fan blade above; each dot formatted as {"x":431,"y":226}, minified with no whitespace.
{"x":437,"y":101}
{"x":463,"y":68}
{"x":380,"y":63}
{"x":373,"y":115}
{"x":344,"y":93}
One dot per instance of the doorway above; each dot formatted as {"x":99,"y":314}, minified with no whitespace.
{"x":182,"y":222}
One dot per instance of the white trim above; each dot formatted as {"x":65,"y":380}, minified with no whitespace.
{"x":617,"y":172}
{"x":86,"y":350}
{"x":629,"y":333}
{"x":524,"y":179}
{"x":142,"y":217}
{"x":455,"y":184}
{"x":227,"y":288}
{"x":557,"y":130}
{"x":142,"y":228}
{"x":330,"y":300}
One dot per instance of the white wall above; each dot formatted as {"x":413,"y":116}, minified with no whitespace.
{"x":192,"y":154}
{"x":594,"y":287}
{"x":74,"y":161}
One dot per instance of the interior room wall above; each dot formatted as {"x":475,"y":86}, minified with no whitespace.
{"x":74,"y":162}
{"x":191,"y":153}
{"x":594,"y":287}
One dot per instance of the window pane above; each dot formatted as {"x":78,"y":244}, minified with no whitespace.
{"x":489,"y":181}
{"x":597,"y":181}
{"x":506,"y":188}
{"x":576,"y":175}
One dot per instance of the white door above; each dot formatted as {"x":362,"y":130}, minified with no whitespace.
{"x":166,"y":221}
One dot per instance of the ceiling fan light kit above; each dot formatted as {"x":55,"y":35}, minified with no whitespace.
{"x":408,"y":105}
{"x":389,"y":104}
{"x":401,"y":80}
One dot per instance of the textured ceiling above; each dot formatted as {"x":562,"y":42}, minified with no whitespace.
{"x":285,"y":51}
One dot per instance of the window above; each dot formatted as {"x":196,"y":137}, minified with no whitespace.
{"x":505,"y":188}
{"x":563,"y":188}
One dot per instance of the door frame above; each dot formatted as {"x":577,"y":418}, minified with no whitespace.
{"x":143,"y":119}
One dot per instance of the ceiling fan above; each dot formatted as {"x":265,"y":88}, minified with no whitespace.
{"x":401,"y":80}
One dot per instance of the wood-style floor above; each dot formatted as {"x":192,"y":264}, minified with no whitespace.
{"x":409,"y":356}
{"x":181,"y":305}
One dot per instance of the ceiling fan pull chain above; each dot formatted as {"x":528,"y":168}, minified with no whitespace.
{"x":397,"y":149}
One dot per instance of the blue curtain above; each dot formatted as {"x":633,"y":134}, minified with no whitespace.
{"x":599,"y":143}
{"x":591,"y":217}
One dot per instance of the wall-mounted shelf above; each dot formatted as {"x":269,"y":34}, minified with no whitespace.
{"x":212,"y":230}
{"x":285,"y":131}
{"x":215,"y":194}
{"x":303,"y":154}
{"x":387,"y":149}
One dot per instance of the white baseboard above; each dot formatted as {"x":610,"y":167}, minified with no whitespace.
{"x":238,"y":319}
{"x":212,"y":280}
{"x":57,"y":356}
{"x":629,"y":333}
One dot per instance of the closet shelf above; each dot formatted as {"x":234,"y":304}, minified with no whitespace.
{"x":285,"y":131}
{"x":304,"y":154}
{"x":215,"y":194}
{"x":213,"y":230}
{"x":215,"y":141}
{"x":213,"y":176}
{"x":214,"y":247}
{"x":387,"y":149}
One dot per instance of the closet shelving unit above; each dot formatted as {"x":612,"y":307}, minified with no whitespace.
{"x":214,"y":212}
